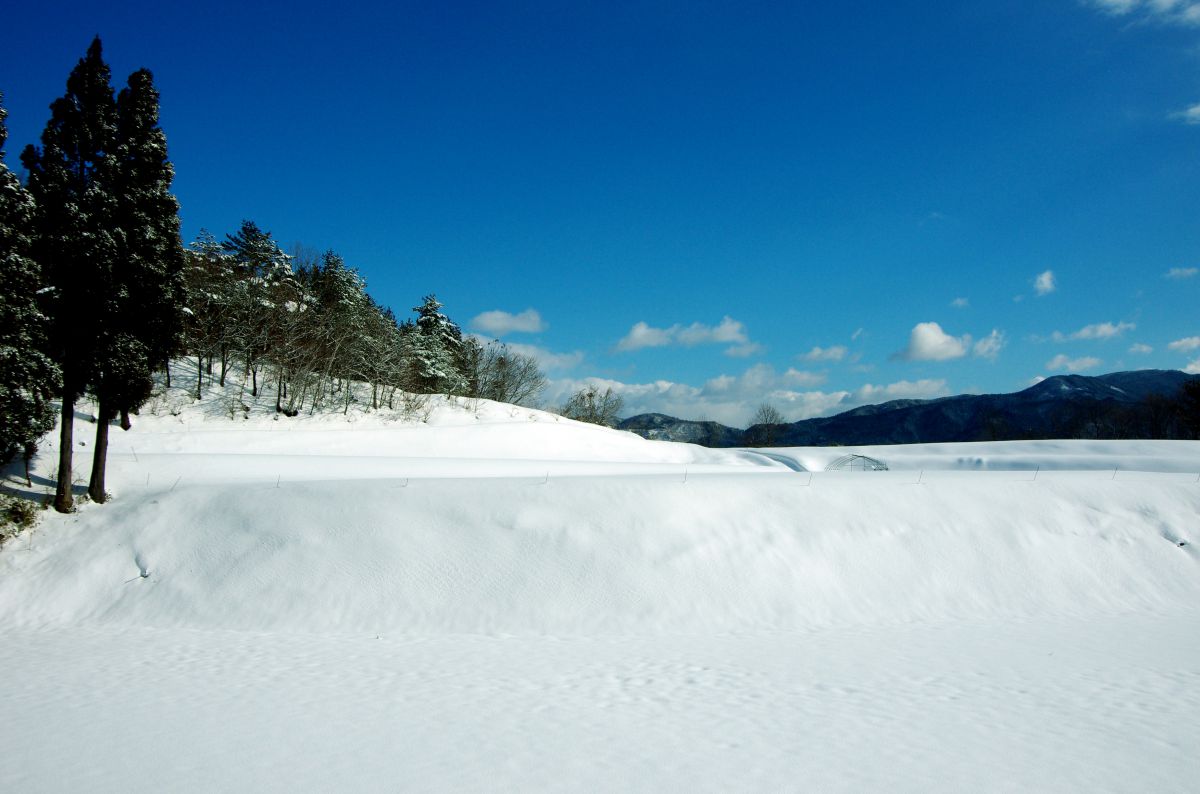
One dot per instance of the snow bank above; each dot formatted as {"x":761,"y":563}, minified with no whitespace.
{"x":467,"y":523}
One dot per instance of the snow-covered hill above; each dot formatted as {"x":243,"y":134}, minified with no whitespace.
{"x":480,"y":596}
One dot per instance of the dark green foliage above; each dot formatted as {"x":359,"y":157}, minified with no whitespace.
{"x":436,"y":347}
{"x":1188,"y":403}
{"x":16,"y":514}
{"x":72,"y":180}
{"x":151,"y":262}
{"x":28,"y":378}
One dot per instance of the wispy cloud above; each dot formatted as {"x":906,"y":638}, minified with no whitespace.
{"x":960,"y":303}
{"x":1193,"y":367}
{"x":1189,"y":115}
{"x":729,"y":331}
{"x":744,"y":351}
{"x":1176,"y":12}
{"x":1069,"y":364}
{"x":1045,"y":283}
{"x":1180,"y":273}
{"x":989,"y":346}
{"x":499,"y":323}
{"x":1094,"y":331}
{"x":1185,"y":345}
{"x":1140,"y":349}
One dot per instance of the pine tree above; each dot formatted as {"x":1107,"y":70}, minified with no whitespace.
{"x":437,"y":346}
{"x":28,"y":378}
{"x":209,"y":286}
{"x":263,"y":286}
{"x":71,"y":181}
{"x":143,"y":327}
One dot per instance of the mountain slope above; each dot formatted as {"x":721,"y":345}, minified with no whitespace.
{"x":1118,"y":405}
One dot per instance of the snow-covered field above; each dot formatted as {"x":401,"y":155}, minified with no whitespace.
{"x":493,"y":598}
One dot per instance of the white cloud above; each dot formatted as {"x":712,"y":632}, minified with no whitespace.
{"x":990,"y":346}
{"x":499,"y":323}
{"x":1044,"y":284}
{"x":732,"y":399}
{"x":548,"y":360}
{"x":928,"y":342}
{"x":1193,"y":367}
{"x":642,"y":335}
{"x":1185,"y":345}
{"x":1190,"y":115}
{"x":831,"y":353}
{"x":801,"y":379}
{"x":1140,"y":349}
{"x":960,"y":303}
{"x":1180,"y":273}
{"x":1062,"y":361}
{"x":729,"y":331}
{"x":1035,"y":380}
{"x":744,"y":351}
{"x":1179,"y":12}
{"x":1094,"y":331}
{"x":900,"y":390}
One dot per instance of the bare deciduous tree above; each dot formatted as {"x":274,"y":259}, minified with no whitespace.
{"x":590,"y":405}
{"x":765,"y":425}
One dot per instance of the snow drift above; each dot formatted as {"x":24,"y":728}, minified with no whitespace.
{"x":510,"y":521}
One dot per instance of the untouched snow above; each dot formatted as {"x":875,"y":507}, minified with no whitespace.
{"x":484,"y":597}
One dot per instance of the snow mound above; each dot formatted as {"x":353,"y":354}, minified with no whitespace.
{"x":496,"y":520}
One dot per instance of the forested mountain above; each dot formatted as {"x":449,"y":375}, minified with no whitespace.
{"x":1140,"y":404}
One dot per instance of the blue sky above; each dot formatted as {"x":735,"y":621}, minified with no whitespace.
{"x":704,"y":205}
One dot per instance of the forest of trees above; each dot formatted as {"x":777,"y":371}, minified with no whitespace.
{"x":100,"y":294}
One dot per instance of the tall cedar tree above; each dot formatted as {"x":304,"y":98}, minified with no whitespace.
{"x":143,"y":329}
{"x":28,"y":378}
{"x":71,"y":180}
{"x":437,"y":348}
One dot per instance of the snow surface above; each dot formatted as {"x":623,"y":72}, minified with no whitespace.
{"x":484,"y":597}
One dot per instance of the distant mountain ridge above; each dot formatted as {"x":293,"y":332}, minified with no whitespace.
{"x":1118,"y":405}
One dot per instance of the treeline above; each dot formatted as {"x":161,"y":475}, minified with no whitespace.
{"x":304,"y":325}
{"x":99,"y":293}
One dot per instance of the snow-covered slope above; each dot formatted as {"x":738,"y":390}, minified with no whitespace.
{"x":527,"y":579}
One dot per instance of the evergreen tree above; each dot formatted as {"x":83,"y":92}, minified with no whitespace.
{"x":71,"y":181}
{"x":209,"y":286}
{"x":28,"y":378}
{"x":143,"y":327}
{"x":263,"y":288}
{"x":437,"y":350}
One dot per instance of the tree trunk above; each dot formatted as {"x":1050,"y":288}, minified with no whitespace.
{"x":100,"y":454}
{"x":125,"y":423}
{"x":167,"y":367}
{"x":279,"y":392}
{"x":199,"y":375}
{"x":254,"y":377}
{"x":63,"y":500}
{"x":29,"y":451}
{"x":224,"y":365}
